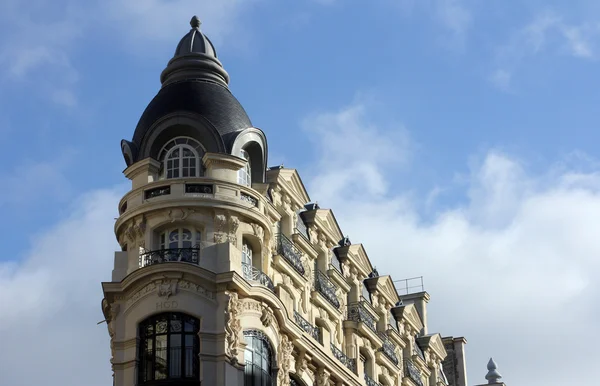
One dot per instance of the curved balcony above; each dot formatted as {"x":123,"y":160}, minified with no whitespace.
{"x":171,"y":255}
{"x":291,"y":253}
{"x":255,"y":275}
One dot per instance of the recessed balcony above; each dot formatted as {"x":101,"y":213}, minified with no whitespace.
{"x":171,"y":255}
{"x":306,"y":326}
{"x":326,"y":288}
{"x":291,"y":253}
{"x":388,"y":348}
{"x":411,"y":371}
{"x":255,"y":275}
{"x":346,"y":361}
{"x":358,"y":312}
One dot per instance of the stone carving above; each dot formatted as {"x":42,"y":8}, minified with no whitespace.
{"x":136,"y":229}
{"x":233,"y":326}
{"x":166,"y":288}
{"x":266,"y":316}
{"x":179,"y":214}
{"x":322,"y":377}
{"x":258,"y":230}
{"x":301,"y":365}
{"x":225,"y":228}
{"x":286,"y":347}
{"x":233,"y":223}
{"x":181,"y":285}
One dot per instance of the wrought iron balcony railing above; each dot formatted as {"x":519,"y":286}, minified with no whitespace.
{"x":358,"y":312}
{"x":181,"y":255}
{"x":388,"y":348}
{"x":306,"y":326}
{"x":412,"y":372}
{"x":254,"y":274}
{"x":417,"y":350}
{"x":340,"y":356}
{"x":370,"y":381}
{"x":291,"y":253}
{"x":326,"y":288}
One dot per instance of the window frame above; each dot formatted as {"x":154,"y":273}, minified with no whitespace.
{"x":181,"y":143}
{"x":245,"y":173}
{"x":250,"y":337}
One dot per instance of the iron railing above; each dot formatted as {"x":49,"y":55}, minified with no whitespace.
{"x":388,"y":348}
{"x":358,"y":312}
{"x":306,"y":326}
{"x":254,"y":274}
{"x":417,"y":351}
{"x":326,"y":288}
{"x":346,"y":361}
{"x":181,"y":255}
{"x":155,"y":192}
{"x":249,"y":199}
{"x":291,"y":253}
{"x":412,"y":372}
{"x":370,"y":381}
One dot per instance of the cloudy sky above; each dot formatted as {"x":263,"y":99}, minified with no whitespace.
{"x":456,"y":139}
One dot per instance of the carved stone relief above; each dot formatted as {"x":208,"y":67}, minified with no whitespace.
{"x":175,"y":285}
{"x":322,"y":377}
{"x":179,"y":214}
{"x":136,"y":229}
{"x":233,"y":326}
{"x":258,"y":231}
{"x":266,"y":316}
{"x":225,"y":228}
{"x":286,"y":347}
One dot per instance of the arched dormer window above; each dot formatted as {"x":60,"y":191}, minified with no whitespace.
{"x":245,"y":173}
{"x":259,"y":359}
{"x":168,"y":349}
{"x":181,"y":157}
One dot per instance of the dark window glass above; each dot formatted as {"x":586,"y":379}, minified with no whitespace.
{"x":169,"y":347}
{"x":258,"y":357}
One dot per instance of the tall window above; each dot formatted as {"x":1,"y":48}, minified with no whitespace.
{"x":181,"y":157}
{"x":168,"y":348}
{"x":245,"y":174}
{"x":246,"y":253}
{"x":258,"y":357}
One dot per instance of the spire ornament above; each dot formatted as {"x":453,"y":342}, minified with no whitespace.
{"x":493,"y":376}
{"x":195,"y":22}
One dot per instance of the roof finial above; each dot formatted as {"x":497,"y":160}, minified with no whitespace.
{"x":195,"y":22}
{"x":492,"y":376}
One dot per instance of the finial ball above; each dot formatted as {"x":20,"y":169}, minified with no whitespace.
{"x":195,"y":22}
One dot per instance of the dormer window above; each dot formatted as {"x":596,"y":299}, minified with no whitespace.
{"x":180,"y":158}
{"x":245,"y":173}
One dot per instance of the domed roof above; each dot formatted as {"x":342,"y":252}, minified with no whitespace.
{"x":195,"y":42}
{"x":210,"y":100}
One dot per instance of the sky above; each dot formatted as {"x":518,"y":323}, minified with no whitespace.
{"x":456,"y":139}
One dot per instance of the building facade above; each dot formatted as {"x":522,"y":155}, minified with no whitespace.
{"x":230,"y":275}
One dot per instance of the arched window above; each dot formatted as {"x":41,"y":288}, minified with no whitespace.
{"x":180,"y":238}
{"x":258,"y":357}
{"x":245,"y":173}
{"x":181,"y":157}
{"x":168,"y":348}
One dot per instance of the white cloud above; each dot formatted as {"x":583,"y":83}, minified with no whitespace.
{"x":53,"y":297}
{"x":510,"y":269}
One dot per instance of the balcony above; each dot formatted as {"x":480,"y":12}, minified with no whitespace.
{"x":306,"y":326}
{"x":172,"y":255}
{"x":291,"y":253}
{"x":255,"y":275}
{"x":411,"y":371}
{"x":370,"y":381}
{"x":340,"y":356}
{"x":358,"y":312}
{"x":388,"y":348}
{"x":326,"y":288}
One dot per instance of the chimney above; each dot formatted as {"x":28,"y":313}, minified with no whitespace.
{"x":420,"y":300}
{"x":455,"y":365}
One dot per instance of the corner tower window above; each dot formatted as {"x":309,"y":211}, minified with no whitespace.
{"x":258,"y":357}
{"x":168,"y":348}
{"x":181,"y":157}
{"x":180,"y":238}
{"x":245,"y":173}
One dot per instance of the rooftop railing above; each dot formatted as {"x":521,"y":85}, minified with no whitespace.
{"x":409,"y":286}
{"x":181,"y":255}
{"x":291,"y":253}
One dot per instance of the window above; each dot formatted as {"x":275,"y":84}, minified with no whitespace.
{"x":179,"y":238}
{"x":246,"y":254}
{"x":245,"y":173}
{"x":181,"y":157}
{"x":168,"y":348}
{"x":258,"y":357}
{"x":366,"y":295}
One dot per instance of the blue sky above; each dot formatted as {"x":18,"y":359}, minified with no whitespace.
{"x":456,"y":136}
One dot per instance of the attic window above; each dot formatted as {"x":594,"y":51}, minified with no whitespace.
{"x":365,"y":293}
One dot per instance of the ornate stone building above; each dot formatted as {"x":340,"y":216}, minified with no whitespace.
{"x":230,"y":275}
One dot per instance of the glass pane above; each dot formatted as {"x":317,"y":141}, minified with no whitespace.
{"x":188,"y":153}
{"x":163,"y":236}
{"x":175,"y":173}
{"x":175,"y":356}
{"x":186,"y":162}
{"x":147,"y":360}
{"x":161,"y":327}
{"x":174,"y":154}
{"x":160,"y":364}
{"x":190,"y":325}
{"x":175,"y":325}
{"x":192,"y":171}
{"x":190,"y":356}
{"x":186,"y":235}
{"x":184,"y":172}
